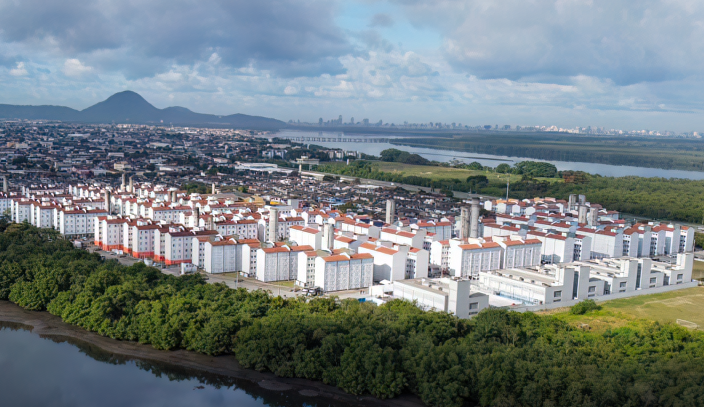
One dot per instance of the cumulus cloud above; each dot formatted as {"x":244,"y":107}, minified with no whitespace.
{"x":627,"y":42}
{"x":19,"y":70}
{"x":519,"y":61}
{"x":290,"y":37}
{"x":75,"y":68}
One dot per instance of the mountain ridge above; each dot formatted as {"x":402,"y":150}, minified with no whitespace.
{"x":130,"y":107}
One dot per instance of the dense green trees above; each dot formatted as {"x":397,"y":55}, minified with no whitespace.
{"x":498,"y":358}
{"x":399,"y":156}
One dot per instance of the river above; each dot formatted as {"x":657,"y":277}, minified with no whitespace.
{"x":60,"y":371}
{"x":374,"y":148}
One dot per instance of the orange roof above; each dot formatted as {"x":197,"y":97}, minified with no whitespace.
{"x":339,"y":257}
{"x":276,"y":250}
{"x":344,"y":239}
{"x":301,"y":248}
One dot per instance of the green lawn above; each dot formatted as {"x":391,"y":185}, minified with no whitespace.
{"x":439,"y":173}
{"x":666,"y":307}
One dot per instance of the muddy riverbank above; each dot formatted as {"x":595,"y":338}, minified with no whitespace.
{"x":217,"y":371}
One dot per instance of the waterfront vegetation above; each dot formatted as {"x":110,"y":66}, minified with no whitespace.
{"x":653,"y":152}
{"x":657,"y":198}
{"x":498,"y":358}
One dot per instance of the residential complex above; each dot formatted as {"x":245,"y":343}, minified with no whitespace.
{"x":196,"y":204}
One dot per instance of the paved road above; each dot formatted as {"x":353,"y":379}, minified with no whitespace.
{"x":123,"y":259}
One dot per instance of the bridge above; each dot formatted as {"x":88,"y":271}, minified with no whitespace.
{"x":321,"y":139}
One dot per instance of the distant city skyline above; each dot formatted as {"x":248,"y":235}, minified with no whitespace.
{"x":612,"y":65}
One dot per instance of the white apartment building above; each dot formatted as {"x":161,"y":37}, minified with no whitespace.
{"x":417,"y":263}
{"x":468,"y":259}
{"x":555,"y":248}
{"x":220,"y":256}
{"x":244,"y":229}
{"x":441,"y":229}
{"x":306,"y":236}
{"x":440,"y":254}
{"x":278,"y":263}
{"x":249,"y":249}
{"x":344,"y":272}
{"x":604,"y":244}
{"x":518,"y":252}
{"x":403,"y":237}
{"x":79,"y":222}
{"x":21,"y":210}
{"x":389,"y":263}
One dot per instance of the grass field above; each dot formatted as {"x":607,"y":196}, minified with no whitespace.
{"x":439,"y":173}
{"x":666,"y":307}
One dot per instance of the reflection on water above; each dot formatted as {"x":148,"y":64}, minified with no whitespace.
{"x":484,"y":159}
{"x":59,"y":371}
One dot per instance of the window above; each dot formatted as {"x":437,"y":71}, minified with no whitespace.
{"x":679,"y":277}
{"x":592,"y":289}
{"x":557,"y":294}
{"x":622,"y":284}
{"x":474,"y":305}
{"x":653,"y":280}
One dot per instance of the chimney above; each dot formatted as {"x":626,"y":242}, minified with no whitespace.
{"x":474,"y":219}
{"x":107,"y":202}
{"x":213,"y":189}
{"x":582,"y":212}
{"x":196,"y":215}
{"x":390,"y":211}
{"x":4,"y":184}
{"x":328,"y":236}
{"x":124,"y":182}
{"x":464,"y":222}
{"x":273,"y":225}
{"x":593,"y":219}
{"x":174,"y":196}
{"x":130,"y":189}
{"x":572,"y":202}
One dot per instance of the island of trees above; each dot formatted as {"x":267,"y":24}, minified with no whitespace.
{"x":498,"y":358}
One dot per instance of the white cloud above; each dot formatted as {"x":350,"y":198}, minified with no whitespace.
{"x":75,"y":68}
{"x":19,"y":70}
{"x":290,"y":90}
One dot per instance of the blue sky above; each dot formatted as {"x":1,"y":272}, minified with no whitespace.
{"x":617,"y":64}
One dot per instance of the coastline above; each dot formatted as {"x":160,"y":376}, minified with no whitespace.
{"x":223,"y":369}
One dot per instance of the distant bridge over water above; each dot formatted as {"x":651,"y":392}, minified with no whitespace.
{"x":342,"y":139}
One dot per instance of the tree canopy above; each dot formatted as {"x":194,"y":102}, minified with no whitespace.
{"x":498,"y":358}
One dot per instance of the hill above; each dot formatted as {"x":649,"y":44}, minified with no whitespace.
{"x":130,"y":107}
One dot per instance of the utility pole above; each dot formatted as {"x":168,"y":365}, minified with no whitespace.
{"x":508,"y":181}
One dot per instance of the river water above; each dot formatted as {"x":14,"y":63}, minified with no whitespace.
{"x":41,"y":371}
{"x":374,"y":148}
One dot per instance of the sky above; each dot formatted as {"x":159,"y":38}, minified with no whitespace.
{"x":615,"y":64}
